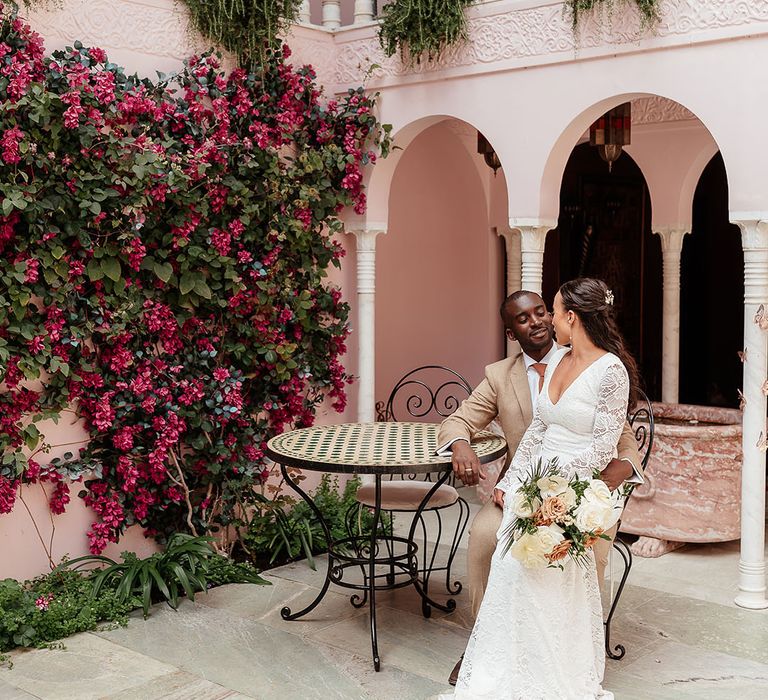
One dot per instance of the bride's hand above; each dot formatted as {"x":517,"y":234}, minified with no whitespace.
{"x":498,"y":497}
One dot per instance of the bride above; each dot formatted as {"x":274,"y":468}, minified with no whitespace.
{"x":539,"y":632}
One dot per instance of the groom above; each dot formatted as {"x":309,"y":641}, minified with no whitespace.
{"x":508,"y":393}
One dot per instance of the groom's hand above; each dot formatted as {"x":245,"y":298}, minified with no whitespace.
{"x":616,"y":473}
{"x":466,"y":465}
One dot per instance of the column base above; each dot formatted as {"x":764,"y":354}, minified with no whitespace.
{"x":751,"y":593}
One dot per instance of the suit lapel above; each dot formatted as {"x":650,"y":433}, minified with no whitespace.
{"x":519,"y":380}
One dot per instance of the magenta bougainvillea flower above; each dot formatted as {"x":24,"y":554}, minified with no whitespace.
{"x":164,"y":255}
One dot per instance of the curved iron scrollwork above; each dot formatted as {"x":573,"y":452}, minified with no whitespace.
{"x":423,"y":399}
{"x":643,"y":424}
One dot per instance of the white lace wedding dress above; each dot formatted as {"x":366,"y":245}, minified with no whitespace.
{"x":539,"y":632}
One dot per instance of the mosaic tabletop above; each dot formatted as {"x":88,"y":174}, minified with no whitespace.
{"x":373,"y":448}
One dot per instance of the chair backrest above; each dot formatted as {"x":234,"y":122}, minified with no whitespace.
{"x":427,"y":393}
{"x":641,"y":420}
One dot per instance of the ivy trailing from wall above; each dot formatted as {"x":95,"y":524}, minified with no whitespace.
{"x":244,"y":27}
{"x":419,"y":28}
{"x":650,"y":11}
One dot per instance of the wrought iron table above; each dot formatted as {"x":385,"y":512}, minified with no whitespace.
{"x":378,"y":449}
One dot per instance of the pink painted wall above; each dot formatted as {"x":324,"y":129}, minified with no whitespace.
{"x":439,"y":268}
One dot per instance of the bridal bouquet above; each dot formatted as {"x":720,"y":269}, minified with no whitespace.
{"x":557,"y":517}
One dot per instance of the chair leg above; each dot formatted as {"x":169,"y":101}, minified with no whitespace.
{"x":618,"y":651}
{"x":461,"y":525}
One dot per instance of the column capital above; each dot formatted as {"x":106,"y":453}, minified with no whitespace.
{"x":754,"y":229}
{"x":672,"y":237}
{"x":533,"y":232}
{"x":366,"y":237}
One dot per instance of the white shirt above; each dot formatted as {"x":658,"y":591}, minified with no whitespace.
{"x":533,"y":375}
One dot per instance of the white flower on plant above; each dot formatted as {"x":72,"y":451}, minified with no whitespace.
{"x":521,"y":507}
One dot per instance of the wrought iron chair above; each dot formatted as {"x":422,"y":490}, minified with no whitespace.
{"x":429,"y":392}
{"x":642,"y":422}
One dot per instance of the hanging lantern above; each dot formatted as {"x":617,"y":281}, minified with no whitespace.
{"x":485,"y":149}
{"x":611,"y":132}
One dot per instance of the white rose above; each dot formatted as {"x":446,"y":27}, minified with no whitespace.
{"x":529,"y":551}
{"x":598,"y":492}
{"x":568,"y":497}
{"x":550,"y":486}
{"x":550,"y":536}
{"x":591,"y":516}
{"x":520,"y":506}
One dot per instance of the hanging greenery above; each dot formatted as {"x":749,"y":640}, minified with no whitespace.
{"x":418,"y":28}
{"x":649,"y":9}
{"x":243,"y":27}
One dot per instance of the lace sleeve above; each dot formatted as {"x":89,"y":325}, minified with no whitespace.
{"x":610,"y":416}
{"x":525,"y":451}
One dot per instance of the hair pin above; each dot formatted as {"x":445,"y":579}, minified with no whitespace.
{"x":609,"y":297}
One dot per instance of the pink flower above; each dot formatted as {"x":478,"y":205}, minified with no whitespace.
{"x":220,"y":374}
{"x":9,"y":143}
{"x":44,"y":601}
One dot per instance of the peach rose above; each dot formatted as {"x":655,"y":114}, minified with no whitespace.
{"x":540,"y":520}
{"x":589,"y":541}
{"x":554,"y":509}
{"x":560,"y":552}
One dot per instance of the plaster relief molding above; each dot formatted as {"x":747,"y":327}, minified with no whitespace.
{"x":655,"y":109}
{"x":313,"y":48}
{"x":156,"y":28}
{"x":507,"y":33}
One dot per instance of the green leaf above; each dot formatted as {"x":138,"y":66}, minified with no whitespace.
{"x":163,"y":271}
{"x":94,"y":270}
{"x":111,"y":268}
{"x":202,"y":289}
{"x":187,"y":283}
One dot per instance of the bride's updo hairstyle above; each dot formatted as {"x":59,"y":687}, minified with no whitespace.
{"x":592,"y":302}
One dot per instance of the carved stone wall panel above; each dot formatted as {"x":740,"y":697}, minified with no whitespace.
{"x":152,"y":28}
{"x":651,"y":110}
{"x":546,"y":31}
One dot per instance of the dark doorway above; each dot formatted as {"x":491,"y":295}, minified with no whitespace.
{"x":711,"y":297}
{"x":604,"y":231}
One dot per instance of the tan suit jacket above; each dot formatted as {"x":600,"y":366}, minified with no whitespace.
{"x":504,"y":394}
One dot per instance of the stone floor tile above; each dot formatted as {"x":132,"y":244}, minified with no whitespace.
{"x":234,"y":652}
{"x":175,"y":686}
{"x":683,"y":668}
{"x":88,"y":667}
{"x":390,"y":682}
{"x":406,"y":641}
{"x":264,"y":603}
{"x":10,"y":692}
{"x":725,"y":629}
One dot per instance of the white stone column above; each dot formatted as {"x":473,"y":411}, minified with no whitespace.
{"x":754,"y":237}
{"x":512,"y":279}
{"x":533,"y":235}
{"x":671,"y":249}
{"x":305,"y":13}
{"x":364,"y":11}
{"x":366,"y":327}
{"x":331,"y":14}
